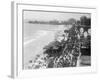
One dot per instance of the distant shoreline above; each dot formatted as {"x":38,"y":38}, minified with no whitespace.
{"x":54,"y":23}
{"x":51,"y":23}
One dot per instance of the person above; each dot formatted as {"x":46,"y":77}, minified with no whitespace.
{"x":85,"y":34}
{"x":81,"y":31}
{"x":89,"y":31}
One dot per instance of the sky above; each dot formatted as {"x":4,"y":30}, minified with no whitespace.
{"x":47,"y":16}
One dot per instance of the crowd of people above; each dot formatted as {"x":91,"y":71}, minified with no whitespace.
{"x":65,"y":50}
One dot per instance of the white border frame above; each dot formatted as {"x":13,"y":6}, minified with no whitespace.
{"x":17,"y":70}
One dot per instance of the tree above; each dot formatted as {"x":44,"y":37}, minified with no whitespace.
{"x":85,"y":21}
{"x":72,"y":21}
